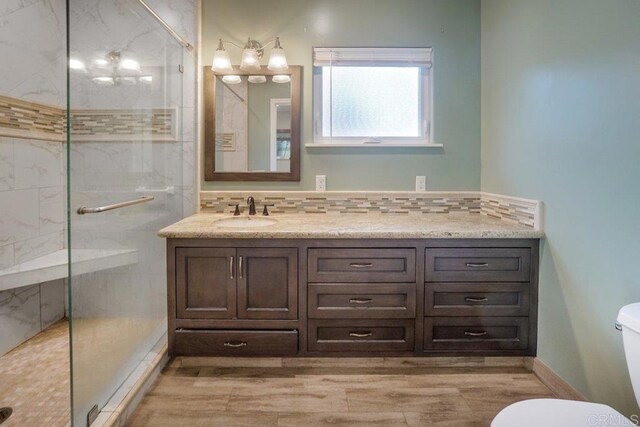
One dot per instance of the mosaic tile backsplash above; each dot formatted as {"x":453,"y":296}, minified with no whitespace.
{"x":518,"y":211}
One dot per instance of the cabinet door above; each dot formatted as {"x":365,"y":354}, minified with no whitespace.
{"x":268,"y":283}
{"x":205,"y":283}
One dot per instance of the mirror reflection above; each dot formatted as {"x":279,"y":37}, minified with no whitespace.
{"x":252,"y":124}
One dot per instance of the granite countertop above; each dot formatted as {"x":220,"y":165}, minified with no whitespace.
{"x":353,"y":226}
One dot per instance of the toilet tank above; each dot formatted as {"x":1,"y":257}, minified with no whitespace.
{"x":629,"y":320}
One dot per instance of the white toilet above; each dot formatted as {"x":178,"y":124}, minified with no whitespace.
{"x":571,"y":413}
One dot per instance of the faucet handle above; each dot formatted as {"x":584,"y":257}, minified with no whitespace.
{"x":236,"y":212}
{"x":265,"y":211}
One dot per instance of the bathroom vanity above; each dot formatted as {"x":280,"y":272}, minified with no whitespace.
{"x":342,"y":285}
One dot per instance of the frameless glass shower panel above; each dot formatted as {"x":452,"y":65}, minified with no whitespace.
{"x":125,"y":176}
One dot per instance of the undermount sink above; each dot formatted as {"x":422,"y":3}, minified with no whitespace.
{"x":245,"y":221}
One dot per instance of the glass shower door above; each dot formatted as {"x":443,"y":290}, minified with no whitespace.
{"x":124,"y":168}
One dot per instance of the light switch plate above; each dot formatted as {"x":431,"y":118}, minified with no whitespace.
{"x":321,"y":182}
{"x":421,"y":183}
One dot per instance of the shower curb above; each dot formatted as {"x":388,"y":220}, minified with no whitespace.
{"x":156,"y":360}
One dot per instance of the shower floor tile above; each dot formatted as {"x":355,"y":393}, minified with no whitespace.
{"x":34,"y":380}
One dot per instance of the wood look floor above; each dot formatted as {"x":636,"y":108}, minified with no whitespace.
{"x":355,"y":393}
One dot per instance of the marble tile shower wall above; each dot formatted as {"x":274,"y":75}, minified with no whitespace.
{"x":31,"y":169}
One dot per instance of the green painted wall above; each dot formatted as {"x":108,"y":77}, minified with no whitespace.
{"x":451,"y":27}
{"x":561,"y":123}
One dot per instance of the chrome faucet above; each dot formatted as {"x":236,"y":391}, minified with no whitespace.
{"x":252,"y":205}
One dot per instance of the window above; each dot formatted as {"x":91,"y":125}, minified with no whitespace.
{"x":366,"y":96}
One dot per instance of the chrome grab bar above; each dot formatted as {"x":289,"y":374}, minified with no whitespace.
{"x":84,"y":210}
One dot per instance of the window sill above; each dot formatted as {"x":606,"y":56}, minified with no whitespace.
{"x":371,"y":145}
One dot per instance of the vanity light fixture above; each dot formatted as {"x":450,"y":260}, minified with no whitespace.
{"x":281,"y":78}
{"x":221,"y":60}
{"x":257,"y":79}
{"x":231,"y":79}
{"x":252,"y":52}
{"x":113,"y":68}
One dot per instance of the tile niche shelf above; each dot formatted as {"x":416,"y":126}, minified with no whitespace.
{"x":55,"y":266}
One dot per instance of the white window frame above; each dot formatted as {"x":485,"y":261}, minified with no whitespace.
{"x":410,"y":57}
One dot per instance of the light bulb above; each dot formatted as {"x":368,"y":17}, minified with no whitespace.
{"x":257,"y":79}
{"x":250,"y":60}
{"x":129,"y":65}
{"x":231,"y":79}
{"x":277,"y":59}
{"x":76,"y":64}
{"x":101,"y":62}
{"x":104,"y":81}
{"x":281,"y":78}
{"x":126,"y":81}
{"x":221,"y":61}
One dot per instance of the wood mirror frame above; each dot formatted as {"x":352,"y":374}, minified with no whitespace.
{"x":210,"y":174}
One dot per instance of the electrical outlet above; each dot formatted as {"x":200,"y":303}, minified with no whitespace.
{"x":321,"y":182}
{"x":421,"y":183}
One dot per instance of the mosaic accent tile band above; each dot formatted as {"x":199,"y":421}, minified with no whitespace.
{"x":29,"y":120}
{"x":346,"y":202}
{"x":24,"y":119}
{"x":515,"y":210}
{"x":115,"y":125}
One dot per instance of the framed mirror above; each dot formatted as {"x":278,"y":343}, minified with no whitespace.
{"x":252,"y":125}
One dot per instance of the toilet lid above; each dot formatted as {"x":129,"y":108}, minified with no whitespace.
{"x":558,"y":413}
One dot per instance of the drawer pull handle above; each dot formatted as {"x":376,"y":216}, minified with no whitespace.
{"x":231,"y":267}
{"x":361,"y":264}
{"x":475,"y":334}
{"x":476,"y":299}
{"x":477,"y":264}
{"x":235,"y":344}
{"x":362,"y":334}
{"x":360,"y":300}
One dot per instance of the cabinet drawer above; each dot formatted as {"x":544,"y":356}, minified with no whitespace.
{"x":478,"y":265}
{"x":476,"y":299}
{"x":476,"y":333}
{"x":362,"y":301}
{"x":236,"y":343}
{"x":358,"y":335}
{"x":359,"y":265}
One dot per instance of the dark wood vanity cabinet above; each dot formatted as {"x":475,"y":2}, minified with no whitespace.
{"x":236,"y":283}
{"x":448,"y":297}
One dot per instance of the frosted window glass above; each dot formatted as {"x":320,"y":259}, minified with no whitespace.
{"x":371,"y":101}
